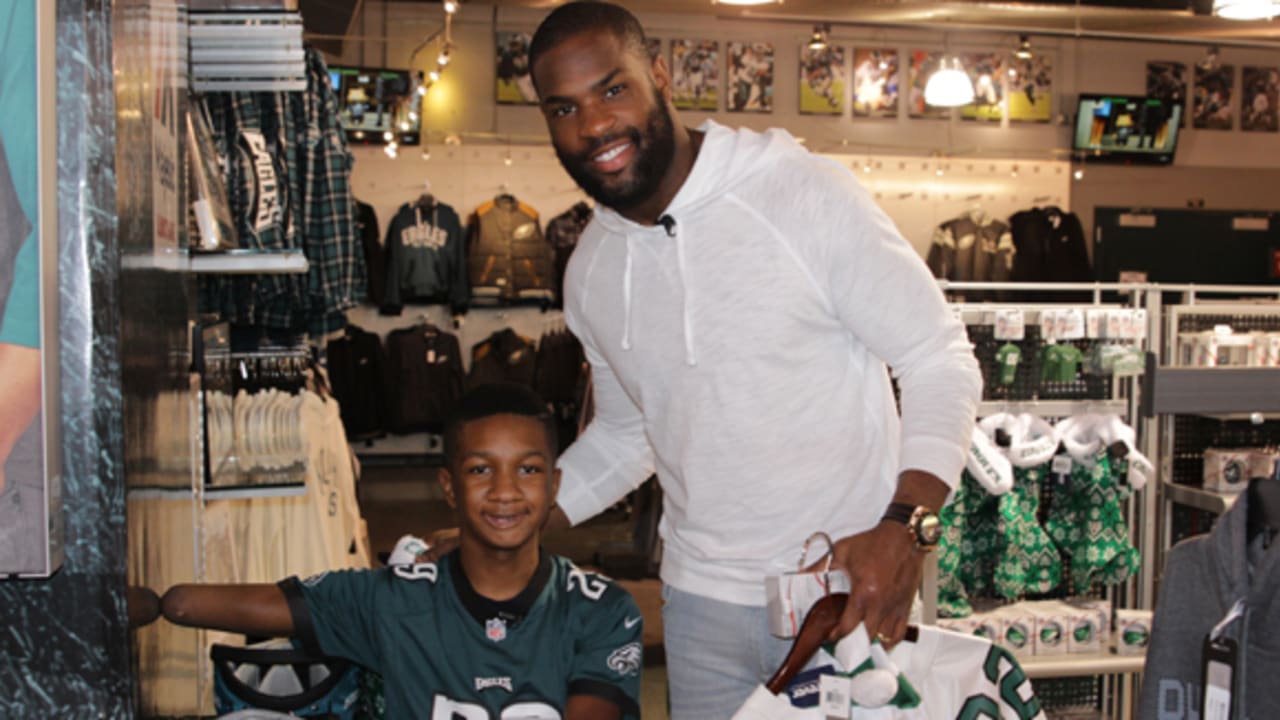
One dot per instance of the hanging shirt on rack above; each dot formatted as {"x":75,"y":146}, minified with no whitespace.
{"x":508,"y":258}
{"x":286,"y":193}
{"x":426,"y":258}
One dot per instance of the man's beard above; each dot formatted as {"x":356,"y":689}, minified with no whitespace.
{"x":653,"y":153}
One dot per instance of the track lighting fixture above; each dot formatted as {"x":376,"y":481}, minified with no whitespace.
{"x":818,"y":40}
{"x":1024,"y":48}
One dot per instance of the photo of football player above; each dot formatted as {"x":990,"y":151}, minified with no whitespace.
{"x":750,"y":77}
{"x":1030,"y":85}
{"x":875,"y":82}
{"x":987,"y":72}
{"x":1258,"y":102}
{"x":1211,"y":101}
{"x":515,"y":87}
{"x":695,"y":73}
{"x":822,"y":80}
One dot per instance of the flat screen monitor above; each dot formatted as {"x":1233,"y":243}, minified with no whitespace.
{"x":1127,"y":129}
{"x":378,"y":105}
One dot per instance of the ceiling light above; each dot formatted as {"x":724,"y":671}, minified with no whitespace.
{"x":744,"y":2}
{"x":1246,"y":9}
{"x":450,"y":6}
{"x":818,"y":40}
{"x":1024,"y":48}
{"x":443,"y":59}
{"x":950,"y":86}
{"x":434,"y":76}
{"x":426,"y":152}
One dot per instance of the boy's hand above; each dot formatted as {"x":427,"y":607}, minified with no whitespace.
{"x":442,"y":542}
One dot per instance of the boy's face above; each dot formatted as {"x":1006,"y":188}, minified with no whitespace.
{"x":502,"y":482}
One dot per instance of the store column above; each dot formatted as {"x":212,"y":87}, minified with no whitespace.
{"x":64,"y":652}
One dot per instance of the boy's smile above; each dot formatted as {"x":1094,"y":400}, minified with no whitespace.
{"x":502,"y":483}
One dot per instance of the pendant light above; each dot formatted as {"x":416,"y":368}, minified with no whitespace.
{"x":950,"y":85}
{"x":1246,"y":9}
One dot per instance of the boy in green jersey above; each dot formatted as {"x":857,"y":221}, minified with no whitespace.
{"x":495,"y":629}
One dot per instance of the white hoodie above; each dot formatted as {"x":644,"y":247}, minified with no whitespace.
{"x":740,"y":356}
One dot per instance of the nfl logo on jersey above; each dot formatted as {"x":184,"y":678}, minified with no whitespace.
{"x":495,"y":629}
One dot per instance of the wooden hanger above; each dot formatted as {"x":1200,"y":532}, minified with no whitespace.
{"x":822,"y":618}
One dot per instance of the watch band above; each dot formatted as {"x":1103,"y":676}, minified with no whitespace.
{"x":899,"y":512}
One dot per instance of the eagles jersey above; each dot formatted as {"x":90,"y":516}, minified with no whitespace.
{"x":446,"y":653}
{"x":955,"y":675}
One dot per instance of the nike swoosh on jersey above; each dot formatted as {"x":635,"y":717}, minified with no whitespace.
{"x":630,"y":622}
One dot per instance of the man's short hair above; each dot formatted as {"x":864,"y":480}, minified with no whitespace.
{"x":576,"y":17}
{"x":496,"y":399}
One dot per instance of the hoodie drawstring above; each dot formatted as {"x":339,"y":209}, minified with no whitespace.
{"x":690,"y":356}
{"x":668,"y":223}
{"x":626,"y":298}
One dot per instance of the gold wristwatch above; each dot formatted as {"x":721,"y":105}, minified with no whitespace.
{"x":921,"y":522}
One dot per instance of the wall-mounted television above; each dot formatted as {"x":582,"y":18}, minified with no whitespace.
{"x":377,"y":105}
{"x":1127,"y":129}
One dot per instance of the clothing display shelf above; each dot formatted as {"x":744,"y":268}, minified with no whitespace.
{"x":1226,"y":406}
{"x":1102,"y":680}
{"x":249,"y":262}
{"x":252,"y":47}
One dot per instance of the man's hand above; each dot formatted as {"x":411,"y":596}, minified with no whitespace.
{"x":884,"y":566}
{"x":439,"y":544}
{"x":885,"y":569}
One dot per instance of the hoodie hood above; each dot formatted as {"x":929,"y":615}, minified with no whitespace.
{"x":725,"y":157}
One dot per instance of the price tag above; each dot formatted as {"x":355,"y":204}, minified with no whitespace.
{"x":834,"y":696}
{"x":1095,"y":324}
{"x":1139,"y":324}
{"x":1218,"y":672}
{"x":1072,"y":324}
{"x":1049,"y":325}
{"x":1060,"y":469}
{"x":1011,"y":324}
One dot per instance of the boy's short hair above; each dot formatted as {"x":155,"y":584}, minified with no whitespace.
{"x":577,"y":17}
{"x":492,"y":399}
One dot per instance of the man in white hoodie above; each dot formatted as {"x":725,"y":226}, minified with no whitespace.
{"x":739,"y":299}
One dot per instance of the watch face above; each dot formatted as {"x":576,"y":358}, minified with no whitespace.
{"x":929,"y":529}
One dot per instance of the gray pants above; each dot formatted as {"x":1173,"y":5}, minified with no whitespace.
{"x":23,"y":506}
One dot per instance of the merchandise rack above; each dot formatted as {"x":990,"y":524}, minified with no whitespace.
{"x":1102,"y":680}
{"x":1199,"y":407}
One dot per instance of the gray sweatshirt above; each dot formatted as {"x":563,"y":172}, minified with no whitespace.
{"x":1204,"y":577}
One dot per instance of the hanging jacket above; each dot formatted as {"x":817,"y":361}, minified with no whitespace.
{"x":504,"y":356}
{"x":425,"y":258}
{"x":562,"y":234}
{"x":973,"y":247}
{"x":1050,"y":245}
{"x":424,"y":380}
{"x":375,"y":255}
{"x":1204,"y":577}
{"x":507,"y":256}
{"x":357,"y":367}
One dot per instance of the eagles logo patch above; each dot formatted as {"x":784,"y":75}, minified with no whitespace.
{"x":625,"y":660}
